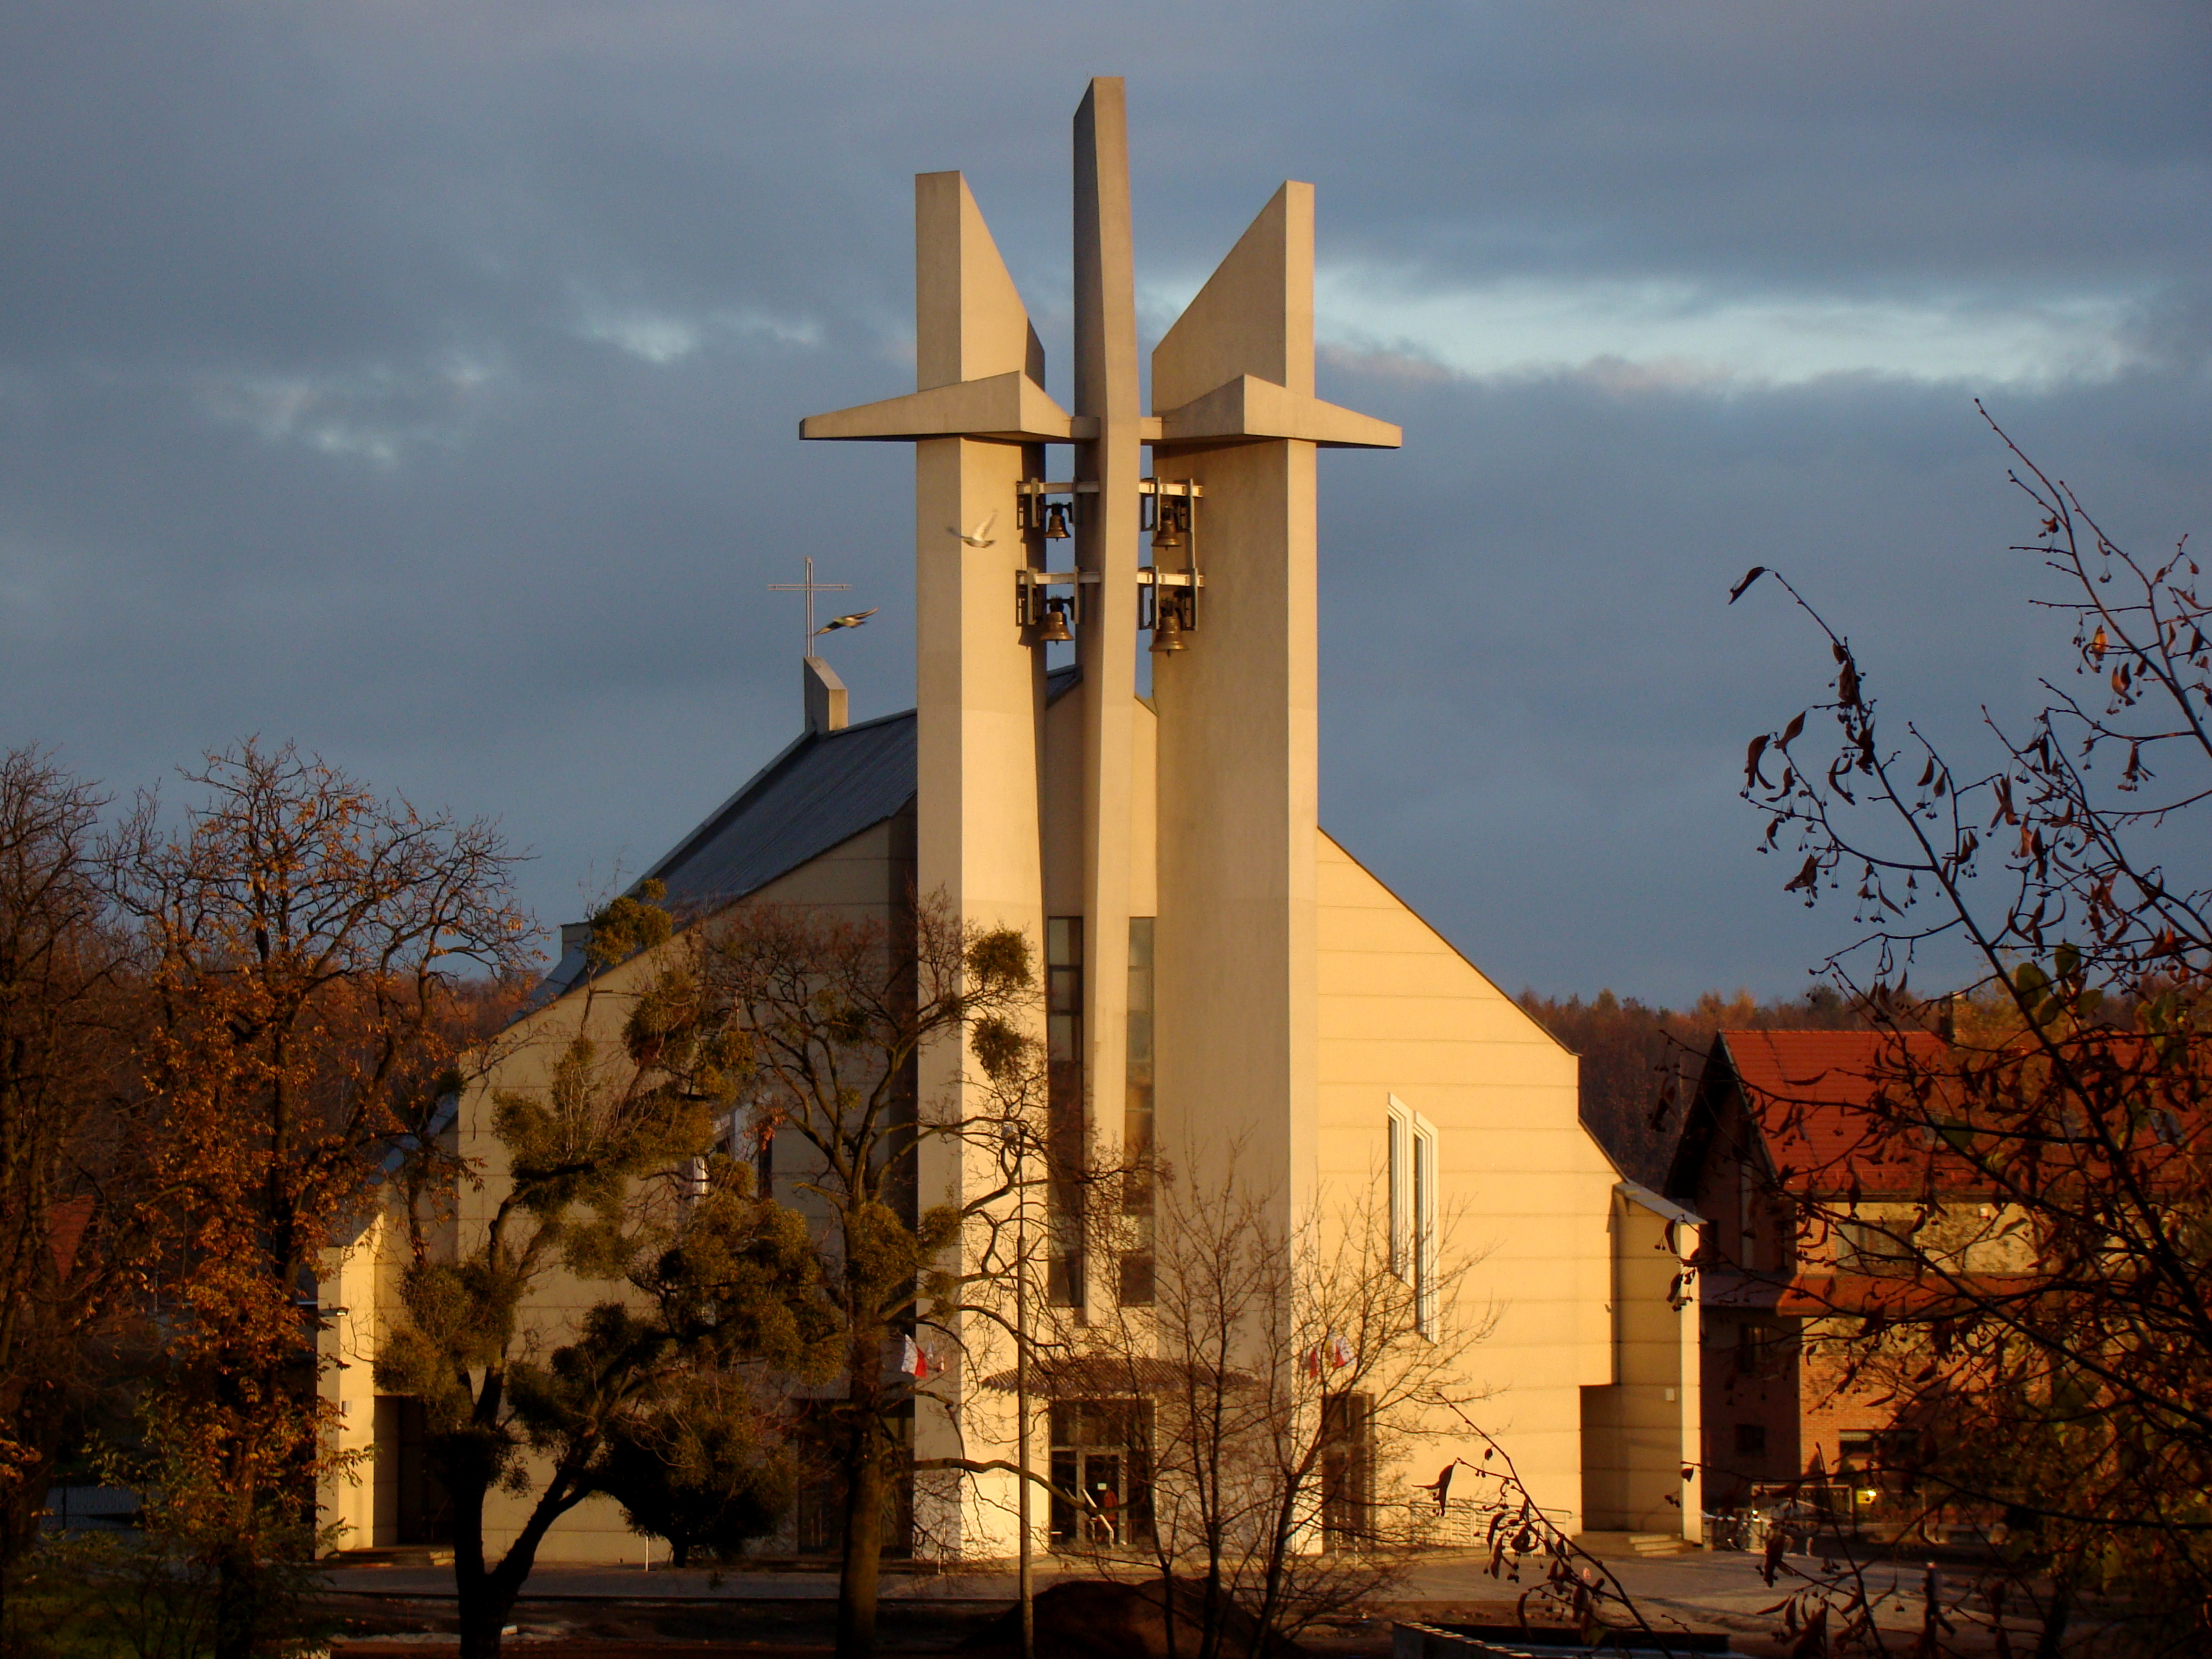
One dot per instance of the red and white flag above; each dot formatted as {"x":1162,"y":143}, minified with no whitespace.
{"x":1313,"y":1362}
{"x":913,"y":1361}
{"x":1339,"y":1350}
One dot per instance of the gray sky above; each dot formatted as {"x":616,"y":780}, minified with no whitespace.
{"x":419,"y":382}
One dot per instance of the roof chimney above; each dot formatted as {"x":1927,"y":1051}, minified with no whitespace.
{"x":825,"y":696}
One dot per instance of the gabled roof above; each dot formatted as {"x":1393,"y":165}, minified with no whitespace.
{"x":824,"y":789}
{"x":1819,"y":1069}
{"x":1809,"y":1094}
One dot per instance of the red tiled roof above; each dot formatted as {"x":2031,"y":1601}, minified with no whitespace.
{"x":1826,"y":1068}
{"x":1810,"y":1091}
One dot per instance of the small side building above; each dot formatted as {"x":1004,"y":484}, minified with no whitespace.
{"x":1800,"y":1184}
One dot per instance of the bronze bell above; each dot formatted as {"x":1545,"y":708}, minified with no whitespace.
{"x":1056,"y":522}
{"x":1167,"y":628}
{"x":1055,"y":630}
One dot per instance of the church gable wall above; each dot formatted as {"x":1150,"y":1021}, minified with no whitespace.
{"x":1521,"y":1184}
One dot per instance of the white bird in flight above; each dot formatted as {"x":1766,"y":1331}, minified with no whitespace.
{"x":981,"y":535}
{"x":852,"y":621}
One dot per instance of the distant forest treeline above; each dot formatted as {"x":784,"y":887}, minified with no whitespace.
{"x":1640,"y":1064}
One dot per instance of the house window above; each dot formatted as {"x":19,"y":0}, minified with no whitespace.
{"x":1883,"y":1456}
{"x":1414,"y":1209}
{"x":1761,"y":1349}
{"x":1064,"y":1138}
{"x":1873,"y":1246}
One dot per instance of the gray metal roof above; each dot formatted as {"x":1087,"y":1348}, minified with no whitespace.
{"x":826,"y":788}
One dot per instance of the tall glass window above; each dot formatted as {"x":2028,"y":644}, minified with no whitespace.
{"x":1064,"y":1147}
{"x":1414,"y":1209}
{"x":1136,"y":1265}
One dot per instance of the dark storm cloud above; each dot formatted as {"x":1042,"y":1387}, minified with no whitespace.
{"x":419,"y":381}
{"x":1536,"y":702}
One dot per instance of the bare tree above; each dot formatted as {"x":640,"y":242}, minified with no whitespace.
{"x":1260,"y":1407}
{"x":836,"y":1015}
{"x":2050,"y":1343}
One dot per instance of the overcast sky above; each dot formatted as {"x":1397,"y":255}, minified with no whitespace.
{"x":419,"y":381}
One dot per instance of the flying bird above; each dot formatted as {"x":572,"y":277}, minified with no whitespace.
{"x":852,"y":621}
{"x":981,"y":535}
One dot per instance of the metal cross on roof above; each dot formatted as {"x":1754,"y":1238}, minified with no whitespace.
{"x":810,"y":588}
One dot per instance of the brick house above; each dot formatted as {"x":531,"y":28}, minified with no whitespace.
{"x":1779,"y":1127}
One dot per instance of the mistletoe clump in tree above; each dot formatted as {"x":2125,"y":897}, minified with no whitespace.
{"x":835,"y":1015}
{"x":612,"y":1177}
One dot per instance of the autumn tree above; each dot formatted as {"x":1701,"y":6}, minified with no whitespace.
{"x":71,"y":1219}
{"x":2065,"y":863}
{"x":303,"y":945}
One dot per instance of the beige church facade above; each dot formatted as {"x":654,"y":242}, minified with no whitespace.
{"x":1222,"y":973}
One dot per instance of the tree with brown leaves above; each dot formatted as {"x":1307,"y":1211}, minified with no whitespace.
{"x":303,"y":944}
{"x":2068,"y":1404}
{"x":70,"y":1197}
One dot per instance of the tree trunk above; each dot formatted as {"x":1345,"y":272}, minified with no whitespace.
{"x":2059,"y":1615}
{"x":857,"y":1584}
{"x":483,"y":1616}
{"x":236,"y":1602}
{"x":486,"y":1601}
{"x":478,"y":1605}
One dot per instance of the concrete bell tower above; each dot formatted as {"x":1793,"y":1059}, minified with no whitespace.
{"x":1232,"y":724}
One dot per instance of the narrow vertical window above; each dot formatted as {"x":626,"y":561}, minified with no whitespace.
{"x":1347,"y":1471}
{"x":1136,"y":1265}
{"x":1746,"y":1212}
{"x":1064,"y":1137}
{"x":1425,"y":1227}
{"x":1412,"y":1198}
{"x":1401,"y":1190}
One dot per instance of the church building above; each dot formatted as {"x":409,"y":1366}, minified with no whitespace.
{"x":1223,"y":973}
